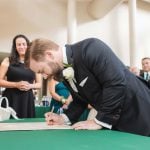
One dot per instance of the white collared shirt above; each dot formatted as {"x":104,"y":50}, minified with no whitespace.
{"x":64,"y":55}
{"x":146,"y":76}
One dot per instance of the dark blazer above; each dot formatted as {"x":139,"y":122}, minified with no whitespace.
{"x":142,"y":73}
{"x":142,"y":76}
{"x":120,"y":98}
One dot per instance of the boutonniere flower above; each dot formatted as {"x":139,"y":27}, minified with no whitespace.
{"x":68,"y":74}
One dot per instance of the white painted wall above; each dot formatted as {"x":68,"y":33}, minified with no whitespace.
{"x":48,"y":19}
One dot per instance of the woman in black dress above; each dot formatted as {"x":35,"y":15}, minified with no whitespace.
{"x":18,"y":80}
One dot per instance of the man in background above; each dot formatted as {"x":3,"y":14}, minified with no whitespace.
{"x":145,"y":73}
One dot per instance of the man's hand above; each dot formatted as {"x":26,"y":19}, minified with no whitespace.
{"x":54,"y":119}
{"x":89,"y":125}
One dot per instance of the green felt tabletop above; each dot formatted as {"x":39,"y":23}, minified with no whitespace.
{"x":71,"y":140}
{"x":41,"y":110}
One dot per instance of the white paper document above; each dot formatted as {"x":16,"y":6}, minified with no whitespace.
{"x":30,"y":126}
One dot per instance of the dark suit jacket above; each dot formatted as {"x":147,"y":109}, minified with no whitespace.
{"x":120,"y":98}
{"x":142,"y":76}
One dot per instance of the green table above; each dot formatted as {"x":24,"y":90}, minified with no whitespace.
{"x":71,"y":140}
{"x":41,"y":110}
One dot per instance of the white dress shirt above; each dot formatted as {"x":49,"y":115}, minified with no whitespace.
{"x":147,"y":76}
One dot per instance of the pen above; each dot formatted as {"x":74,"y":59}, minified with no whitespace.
{"x":52,"y":110}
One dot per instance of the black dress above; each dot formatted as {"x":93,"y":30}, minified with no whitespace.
{"x":21,"y":101}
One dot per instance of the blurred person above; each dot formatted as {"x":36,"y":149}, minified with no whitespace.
{"x":145,"y":73}
{"x":18,"y":80}
{"x":135,"y":70}
{"x":61,"y":97}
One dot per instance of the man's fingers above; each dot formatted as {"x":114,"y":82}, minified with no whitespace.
{"x":48,"y":114}
{"x":79,"y":126}
{"x":51,"y":118}
{"x":89,"y":125}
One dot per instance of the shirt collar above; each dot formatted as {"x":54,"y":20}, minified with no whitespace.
{"x":147,"y":72}
{"x":65,"y":61}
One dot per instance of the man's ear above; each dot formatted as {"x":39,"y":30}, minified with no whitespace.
{"x":49,"y":54}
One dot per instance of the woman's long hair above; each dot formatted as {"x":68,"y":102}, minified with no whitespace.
{"x":14,"y":56}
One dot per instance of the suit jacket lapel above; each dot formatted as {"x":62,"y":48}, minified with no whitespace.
{"x":69,"y":54}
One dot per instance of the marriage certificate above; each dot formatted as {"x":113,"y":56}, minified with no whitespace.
{"x":30,"y":126}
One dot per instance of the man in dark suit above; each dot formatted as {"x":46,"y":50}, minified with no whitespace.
{"x":97,"y":77}
{"x":145,"y":72}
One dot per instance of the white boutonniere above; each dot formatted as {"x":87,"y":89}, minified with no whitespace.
{"x":68,"y":74}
